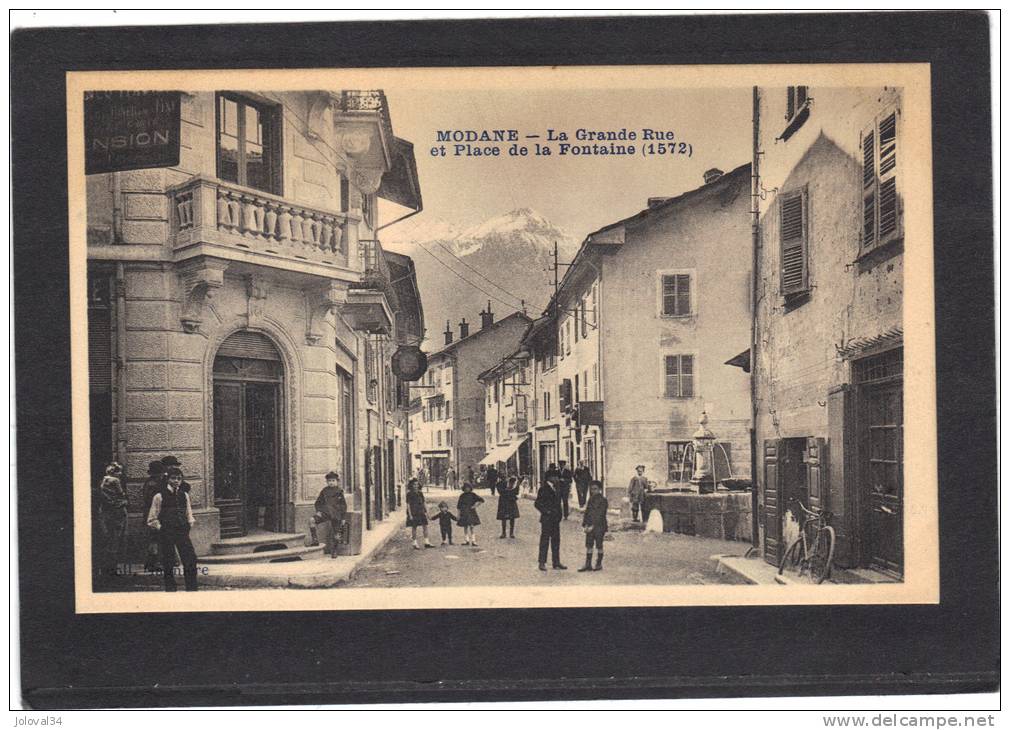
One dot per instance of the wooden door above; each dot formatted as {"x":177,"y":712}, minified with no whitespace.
{"x":773,"y":507}
{"x":882,"y":475}
{"x":261,"y":483}
{"x":228,"y":455}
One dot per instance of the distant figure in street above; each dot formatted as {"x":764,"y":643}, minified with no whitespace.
{"x":548,"y":504}
{"x":491,"y":478}
{"x":154,"y":483}
{"x":564,"y":485}
{"x":468,"y":519}
{"x":508,"y":506}
{"x":637,"y":489}
{"x":469,"y":474}
{"x":422,"y":478}
{"x":450,"y":479}
{"x":171,"y":516}
{"x":416,"y":514}
{"x":331,"y":510}
{"x":582,"y":479}
{"x":110,"y":508}
{"x":594,"y":524}
{"x":445,"y":519}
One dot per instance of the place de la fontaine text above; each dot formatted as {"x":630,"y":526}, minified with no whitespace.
{"x":644,"y":141}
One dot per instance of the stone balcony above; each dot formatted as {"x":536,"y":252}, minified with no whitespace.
{"x":210,"y":217}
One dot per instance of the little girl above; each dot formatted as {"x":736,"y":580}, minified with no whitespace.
{"x":445,"y":519}
{"x":416,"y":514}
{"x":467,"y":508}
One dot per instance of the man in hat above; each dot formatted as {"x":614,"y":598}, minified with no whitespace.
{"x":331,"y":508}
{"x":548,"y":504}
{"x":582,"y":479}
{"x":171,"y":516}
{"x":565,"y":477}
{"x":637,"y":489}
{"x":154,"y":484}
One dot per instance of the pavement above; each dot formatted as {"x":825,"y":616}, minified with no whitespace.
{"x":755,"y":571}
{"x":630,"y":557}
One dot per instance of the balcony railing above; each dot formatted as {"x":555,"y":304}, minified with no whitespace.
{"x":211,"y":211}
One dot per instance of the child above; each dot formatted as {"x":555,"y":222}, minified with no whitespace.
{"x":508,"y":507}
{"x":416,"y":514}
{"x":445,"y":519}
{"x":331,"y":508}
{"x":594,"y":524}
{"x":171,"y":516}
{"x":467,"y":508}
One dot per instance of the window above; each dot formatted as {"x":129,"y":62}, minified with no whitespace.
{"x":368,"y":211}
{"x":584,"y":328}
{"x":448,"y":409}
{"x":576,"y":393}
{"x":585,"y":385}
{"x":679,"y":376}
{"x":448,"y":437}
{"x":578,"y":317}
{"x":448,"y":375}
{"x":678,"y":466}
{"x":882,"y":207}
{"x":676,"y":295}
{"x":372,"y":384}
{"x":793,"y":224}
{"x":438,"y":438}
{"x":596,"y":381}
{"x":249,"y":142}
{"x":596,"y":307}
{"x":561,"y":343}
{"x":345,"y":193}
{"x":568,"y":337}
{"x":547,"y":405}
{"x":796,"y":100}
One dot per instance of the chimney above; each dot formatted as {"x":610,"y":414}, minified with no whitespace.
{"x":448,"y":333}
{"x":653,"y":202}
{"x":487,"y":317}
{"x":712,"y":174}
{"x":464,"y":328}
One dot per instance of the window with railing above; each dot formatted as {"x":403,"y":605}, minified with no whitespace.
{"x":249,"y":142}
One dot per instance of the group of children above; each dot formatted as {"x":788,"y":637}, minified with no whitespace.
{"x":594,"y":521}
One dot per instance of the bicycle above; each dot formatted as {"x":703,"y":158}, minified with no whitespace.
{"x":814,"y":549}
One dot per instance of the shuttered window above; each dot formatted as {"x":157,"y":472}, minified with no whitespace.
{"x":676,"y":295}
{"x":679,"y":376}
{"x":793,"y":224}
{"x":796,"y":98}
{"x":882,"y":221}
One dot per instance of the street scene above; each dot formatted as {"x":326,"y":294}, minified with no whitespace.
{"x":647,"y":349}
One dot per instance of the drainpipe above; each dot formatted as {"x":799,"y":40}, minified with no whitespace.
{"x":755,"y":245}
{"x":119,"y":393}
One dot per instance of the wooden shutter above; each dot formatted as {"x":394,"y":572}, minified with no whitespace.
{"x":868,"y":143}
{"x":672,"y":376}
{"x":887,"y":177}
{"x":790,"y":102}
{"x":793,"y":241}
{"x":817,"y":472}
{"x":772,"y":493}
{"x":687,"y":376}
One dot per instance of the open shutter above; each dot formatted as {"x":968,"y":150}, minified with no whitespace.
{"x":868,"y":143}
{"x":793,"y":241}
{"x":772,"y":493}
{"x":887,"y":177}
{"x":817,"y":472}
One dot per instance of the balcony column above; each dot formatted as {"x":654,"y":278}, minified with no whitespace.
{"x":205,"y":205}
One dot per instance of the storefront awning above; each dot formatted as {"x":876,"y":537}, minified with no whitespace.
{"x":503,"y":452}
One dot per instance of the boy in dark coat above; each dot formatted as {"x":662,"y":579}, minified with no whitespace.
{"x":171,"y":516}
{"x":331,"y":508}
{"x":445,"y":519}
{"x":594,"y":524}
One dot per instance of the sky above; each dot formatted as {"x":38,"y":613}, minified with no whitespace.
{"x":579,"y":194}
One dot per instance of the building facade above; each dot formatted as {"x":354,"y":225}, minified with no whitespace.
{"x":451,"y":397}
{"x":242,"y":314}
{"x":631,"y":350}
{"x":827,"y":354}
{"x":507,"y":410}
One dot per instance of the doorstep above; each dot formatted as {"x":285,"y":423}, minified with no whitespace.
{"x":756,"y":571}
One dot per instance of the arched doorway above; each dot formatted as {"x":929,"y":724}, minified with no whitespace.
{"x":248,"y":433}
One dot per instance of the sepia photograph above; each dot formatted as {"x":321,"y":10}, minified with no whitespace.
{"x":564,"y":337}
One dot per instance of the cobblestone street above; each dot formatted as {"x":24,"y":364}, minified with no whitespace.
{"x":631,"y":557}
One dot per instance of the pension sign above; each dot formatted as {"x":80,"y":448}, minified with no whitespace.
{"x":130,"y":130}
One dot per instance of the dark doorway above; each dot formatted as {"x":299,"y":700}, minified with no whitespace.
{"x":248,"y":486}
{"x":881,"y":463}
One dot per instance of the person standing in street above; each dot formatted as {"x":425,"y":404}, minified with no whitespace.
{"x":154,"y":484}
{"x":450,"y":479}
{"x":331,"y":509}
{"x":594,"y":524}
{"x":637,"y":489}
{"x":582,"y":479}
{"x":445,"y":519}
{"x":111,"y":508}
{"x":564,"y":485}
{"x":170,"y":461}
{"x":171,"y":516}
{"x":548,"y":504}
{"x":508,"y":506}
{"x":468,"y":518}
{"x":417,"y":516}
{"x":491,"y":475}
{"x":469,"y":474}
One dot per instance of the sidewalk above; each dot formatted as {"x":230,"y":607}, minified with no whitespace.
{"x":756,"y":571}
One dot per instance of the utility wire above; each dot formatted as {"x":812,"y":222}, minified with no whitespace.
{"x":475,"y":286}
{"x":476,"y":271}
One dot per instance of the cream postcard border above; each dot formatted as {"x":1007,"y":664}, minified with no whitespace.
{"x":921,"y":580}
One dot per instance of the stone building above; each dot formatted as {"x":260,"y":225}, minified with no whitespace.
{"x":450,"y":428}
{"x":827,"y":354}
{"x":242,"y":312}
{"x":508,"y":397}
{"x":631,"y":351}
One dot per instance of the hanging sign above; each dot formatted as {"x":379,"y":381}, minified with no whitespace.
{"x":130,"y":130}
{"x":409,"y":363}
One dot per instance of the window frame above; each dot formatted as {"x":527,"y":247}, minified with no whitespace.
{"x":273,"y":139}
{"x":694,"y":376}
{"x":661,"y":274}
{"x":785,"y":197}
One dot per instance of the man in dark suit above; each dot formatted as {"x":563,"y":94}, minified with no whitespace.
{"x":565,"y":477}
{"x":492,"y":478}
{"x":548,"y":504}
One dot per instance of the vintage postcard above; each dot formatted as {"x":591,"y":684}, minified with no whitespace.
{"x":502,"y":337}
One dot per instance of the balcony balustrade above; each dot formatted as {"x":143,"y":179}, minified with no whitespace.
{"x":209,"y":211}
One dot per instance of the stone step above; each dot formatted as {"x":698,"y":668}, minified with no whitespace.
{"x":259,"y":541}
{"x":266,"y":556}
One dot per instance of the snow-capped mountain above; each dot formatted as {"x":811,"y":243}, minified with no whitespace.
{"x":507,"y":259}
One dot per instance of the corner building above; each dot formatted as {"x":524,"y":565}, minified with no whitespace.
{"x":242,"y":313}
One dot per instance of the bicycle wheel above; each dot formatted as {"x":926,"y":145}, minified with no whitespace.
{"x":821,"y":561}
{"x":792,"y":556}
